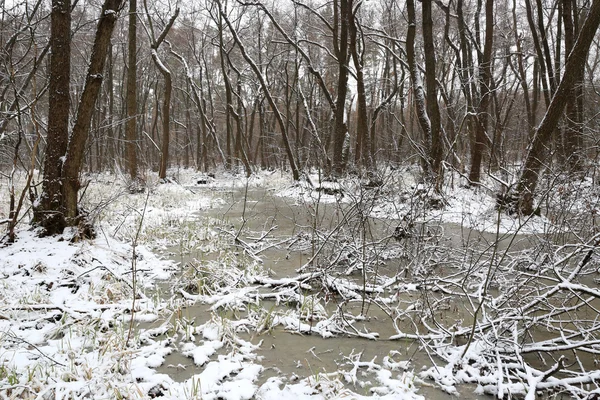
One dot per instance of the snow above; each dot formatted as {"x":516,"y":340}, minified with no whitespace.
{"x":67,"y":305}
{"x":201,"y":354}
{"x":473,"y":208}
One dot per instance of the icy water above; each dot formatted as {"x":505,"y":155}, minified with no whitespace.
{"x":259,"y":213}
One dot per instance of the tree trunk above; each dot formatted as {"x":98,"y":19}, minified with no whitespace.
{"x":111,"y":133}
{"x":417,"y":86}
{"x":436,"y":152}
{"x":485,"y":78}
{"x":228,"y":99}
{"x":572,"y":133}
{"x":49,"y":212}
{"x":93,"y":83}
{"x":131,"y":94}
{"x":166,"y":116}
{"x":240,"y":135}
{"x":543,"y":74}
{"x":342,"y":16}
{"x":363,"y":134}
{"x":521,"y":68}
{"x":537,"y":148}
{"x":187,"y":134}
{"x":166,"y":73}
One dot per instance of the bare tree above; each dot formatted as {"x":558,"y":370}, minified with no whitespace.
{"x":77,"y":139}
{"x":342,"y":17}
{"x":311,"y":65}
{"x":206,"y":126}
{"x":26,"y":23}
{"x":50,"y":213}
{"x":572,"y":134}
{"x":436,"y":150}
{"x":417,"y":86}
{"x":363,"y":136}
{"x":537,"y":149}
{"x":155,"y":43}
{"x":58,"y":205}
{"x":481,"y":137}
{"x":267,"y":92}
{"x":131,"y":94}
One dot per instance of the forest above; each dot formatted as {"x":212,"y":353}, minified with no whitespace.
{"x":211,"y":199}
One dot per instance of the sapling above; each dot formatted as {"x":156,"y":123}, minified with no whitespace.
{"x":134,"y":268}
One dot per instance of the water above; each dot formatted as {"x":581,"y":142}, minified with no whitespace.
{"x":260,"y":217}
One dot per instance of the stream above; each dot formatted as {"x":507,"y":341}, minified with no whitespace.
{"x":260,"y":216}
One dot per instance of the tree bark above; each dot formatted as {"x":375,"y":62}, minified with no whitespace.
{"x":341,"y":51}
{"x":540,"y":62}
{"x":93,"y":83}
{"x":417,"y":86}
{"x":436,"y":152}
{"x":166,"y":116}
{"x":521,"y":69}
{"x":166,"y":73}
{"x":363,"y":134}
{"x":572,"y":134}
{"x":49,"y":212}
{"x":537,"y":148}
{"x":485,"y":84}
{"x":228,"y":97}
{"x":131,"y":94}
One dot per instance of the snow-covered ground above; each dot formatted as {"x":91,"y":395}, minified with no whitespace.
{"x":66,"y":308}
{"x":473,"y":208}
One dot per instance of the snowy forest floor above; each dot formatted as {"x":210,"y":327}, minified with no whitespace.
{"x":459,"y":296}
